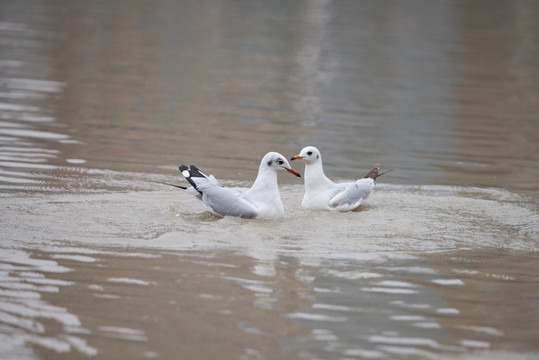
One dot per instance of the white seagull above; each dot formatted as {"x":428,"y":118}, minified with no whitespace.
{"x":262,"y":200}
{"x":323,"y":194}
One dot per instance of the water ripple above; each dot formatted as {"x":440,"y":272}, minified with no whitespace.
{"x":25,"y":315}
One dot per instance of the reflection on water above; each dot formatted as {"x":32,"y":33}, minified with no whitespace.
{"x":27,"y":319}
{"x":420,"y":271}
{"x":201,"y":304}
{"x":29,"y":135}
{"x":99,"y":103}
{"x":366,"y":83}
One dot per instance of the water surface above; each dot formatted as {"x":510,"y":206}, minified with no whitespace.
{"x":100,"y":102}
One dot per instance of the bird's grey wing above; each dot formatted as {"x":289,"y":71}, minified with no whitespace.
{"x":351,"y":196}
{"x":222,"y":200}
{"x":228,"y":202}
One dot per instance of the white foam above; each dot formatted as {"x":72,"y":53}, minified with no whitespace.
{"x":129,"y":281}
{"x":388,"y":290}
{"x":475,"y":344}
{"x":449,"y":282}
{"x":315,"y":317}
{"x":407,"y":341}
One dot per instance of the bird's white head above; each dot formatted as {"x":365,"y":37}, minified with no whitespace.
{"x":276,"y":161}
{"x":309,"y":154}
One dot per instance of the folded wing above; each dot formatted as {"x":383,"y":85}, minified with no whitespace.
{"x":228,"y":201}
{"x":222,"y":200}
{"x":351,"y":196}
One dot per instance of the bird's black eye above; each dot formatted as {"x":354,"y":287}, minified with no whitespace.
{"x":280,"y":162}
{"x":310,"y":153}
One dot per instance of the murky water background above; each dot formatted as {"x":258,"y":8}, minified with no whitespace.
{"x":100,"y":101}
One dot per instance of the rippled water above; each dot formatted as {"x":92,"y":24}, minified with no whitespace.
{"x":100,"y":102}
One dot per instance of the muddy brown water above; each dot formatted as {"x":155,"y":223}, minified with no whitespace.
{"x":101,"y":101}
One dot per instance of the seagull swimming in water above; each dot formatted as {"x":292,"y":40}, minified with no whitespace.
{"x":323,"y":194}
{"x":262,"y":200}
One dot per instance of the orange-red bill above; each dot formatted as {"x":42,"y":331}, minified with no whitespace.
{"x":292,"y":171}
{"x":296,"y":157}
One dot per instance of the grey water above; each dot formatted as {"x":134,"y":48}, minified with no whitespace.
{"x":100,"y":102}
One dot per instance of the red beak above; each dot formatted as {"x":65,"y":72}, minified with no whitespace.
{"x":292,"y":171}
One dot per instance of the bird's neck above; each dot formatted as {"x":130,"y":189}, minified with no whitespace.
{"x":264,"y":194}
{"x":315,"y":177}
{"x":266,"y":182}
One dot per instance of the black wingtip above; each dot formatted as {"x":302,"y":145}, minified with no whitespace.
{"x":188,"y":173}
{"x":195,"y":172}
